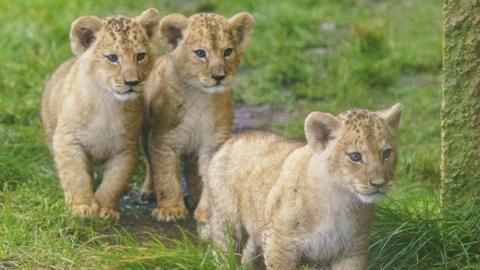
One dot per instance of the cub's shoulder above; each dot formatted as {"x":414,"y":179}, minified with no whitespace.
{"x":260,"y":139}
{"x":63,"y":69}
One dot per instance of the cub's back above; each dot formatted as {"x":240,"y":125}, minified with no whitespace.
{"x":52,"y":97}
{"x":252,"y":154}
{"x":244,"y":170}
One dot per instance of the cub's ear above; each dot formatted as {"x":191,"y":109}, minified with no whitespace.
{"x":83,"y":33}
{"x":243,"y":27}
{"x":320,"y":129}
{"x":171,"y":29}
{"x":392,"y":115}
{"x":150,"y":19}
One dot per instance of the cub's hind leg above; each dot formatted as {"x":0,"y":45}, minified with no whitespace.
{"x":192,"y":180}
{"x":219,"y":228}
{"x":147,"y":191}
{"x":206,"y":151}
{"x":224,"y":220}
{"x":215,"y":229}
{"x":202,"y":210}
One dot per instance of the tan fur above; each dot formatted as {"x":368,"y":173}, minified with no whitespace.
{"x":89,"y":113}
{"x":295,"y":202}
{"x":187,"y":111}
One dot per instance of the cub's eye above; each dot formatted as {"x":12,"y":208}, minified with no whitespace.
{"x":355,"y":156}
{"x":112,"y":58}
{"x":200,"y":53}
{"x":227,"y":52}
{"x":386,"y":153}
{"x":140,"y":56}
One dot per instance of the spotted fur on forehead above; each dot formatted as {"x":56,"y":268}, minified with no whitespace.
{"x":124,"y":31}
{"x":213,"y":28}
{"x":364,"y":124}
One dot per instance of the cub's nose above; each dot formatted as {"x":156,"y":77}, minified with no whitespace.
{"x":131,"y":83}
{"x":218,"y":78}
{"x":377,"y":183}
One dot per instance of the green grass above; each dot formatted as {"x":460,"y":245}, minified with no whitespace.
{"x":304,"y":55}
{"x":413,"y":234}
{"x":162,"y":253}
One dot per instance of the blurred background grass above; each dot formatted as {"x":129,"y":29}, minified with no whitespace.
{"x":305,"y":55}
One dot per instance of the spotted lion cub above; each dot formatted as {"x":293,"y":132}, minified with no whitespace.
{"x":91,"y":112}
{"x":295,"y":202}
{"x":189,"y":106}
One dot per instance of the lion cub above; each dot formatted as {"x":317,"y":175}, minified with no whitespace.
{"x":312,"y":202}
{"x":91,"y":112}
{"x":189,"y":106}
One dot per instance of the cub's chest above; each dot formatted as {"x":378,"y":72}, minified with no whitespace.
{"x":198,"y":110}
{"x":108,"y":132}
{"x":330,"y":239}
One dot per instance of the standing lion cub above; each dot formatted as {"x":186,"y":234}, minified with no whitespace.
{"x":295,"y":202}
{"x":189,"y":106}
{"x":91,"y":112}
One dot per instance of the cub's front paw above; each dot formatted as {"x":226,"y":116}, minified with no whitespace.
{"x":201,"y":214}
{"x":107,"y":213}
{"x":85,"y":210}
{"x":170,"y":212}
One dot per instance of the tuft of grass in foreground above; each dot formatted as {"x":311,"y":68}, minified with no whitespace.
{"x":161,"y":252}
{"x":415,"y":234}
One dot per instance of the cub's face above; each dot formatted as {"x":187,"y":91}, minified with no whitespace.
{"x":118,"y":52}
{"x":207,"y":47}
{"x":361,"y":150}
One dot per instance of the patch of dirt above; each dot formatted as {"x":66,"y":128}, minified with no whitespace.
{"x":258,"y":117}
{"x":135,"y":212}
{"x":136,"y":219}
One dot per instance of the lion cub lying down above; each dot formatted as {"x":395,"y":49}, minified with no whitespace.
{"x":296,"y":202}
{"x":91,"y":112}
